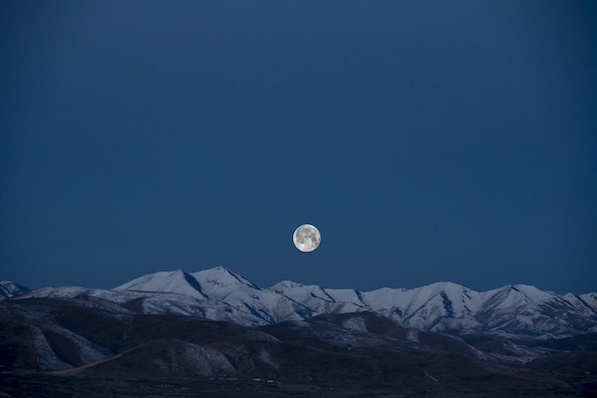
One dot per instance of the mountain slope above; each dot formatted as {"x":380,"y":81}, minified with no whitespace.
{"x":10,"y":289}
{"x":447,"y":306}
{"x":88,"y":346}
{"x":219,"y":294}
{"x":168,"y":282}
{"x":219,"y":285}
{"x":217,"y":333}
{"x":443,"y":306}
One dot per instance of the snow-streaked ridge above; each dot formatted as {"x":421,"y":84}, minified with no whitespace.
{"x":10,"y":289}
{"x":221,"y":294}
{"x":441,"y":306}
{"x":166,"y":281}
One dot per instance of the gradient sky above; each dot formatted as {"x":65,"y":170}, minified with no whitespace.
{"x":427,"y":140}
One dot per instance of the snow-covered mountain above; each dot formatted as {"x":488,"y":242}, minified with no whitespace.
{"x":440,"y":335}
{"x":444,"y":306}
{"x":220,"y":294}
{"x":10,"y":289}
{"x":447,"y":306}
{"x":167,"y":282}
{"x":219,"y":285}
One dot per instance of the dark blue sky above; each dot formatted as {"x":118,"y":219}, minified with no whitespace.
{"x":427,"y":140}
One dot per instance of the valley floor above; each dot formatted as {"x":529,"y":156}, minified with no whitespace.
{"x":47,"y":385}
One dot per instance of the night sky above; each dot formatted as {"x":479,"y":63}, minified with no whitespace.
{"x":427,"y":140}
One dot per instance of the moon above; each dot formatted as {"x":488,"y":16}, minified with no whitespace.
{"x":306,"y":238}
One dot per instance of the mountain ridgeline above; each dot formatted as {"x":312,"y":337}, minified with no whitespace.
{"x":220,"y":294}
{"x":444,"y":306}
{"x":215,"y":333}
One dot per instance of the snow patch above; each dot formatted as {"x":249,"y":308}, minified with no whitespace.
{"x":355,"y":324}
{"x":412,"y":336}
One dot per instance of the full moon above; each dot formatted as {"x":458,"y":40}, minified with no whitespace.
{"x":306,"y":238}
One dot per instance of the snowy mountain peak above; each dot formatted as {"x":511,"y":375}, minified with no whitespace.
{"x":214,"y":283}
{"x":443,"y":306}
{"x":515,"y":296}
{"x":590,"y":299}
{"x":10,"y":289}
{"x":220,"y":277}
{"x":166,"y":281}
{"x":533,"y":293}
{"x":285,"y":284}
{"x":449,"y":288}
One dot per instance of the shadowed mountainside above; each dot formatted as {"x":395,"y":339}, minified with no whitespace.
{"x":55,"y":347}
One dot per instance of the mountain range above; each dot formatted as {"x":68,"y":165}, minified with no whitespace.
{"x":220,"y":294}
{"x":219,"y":326}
